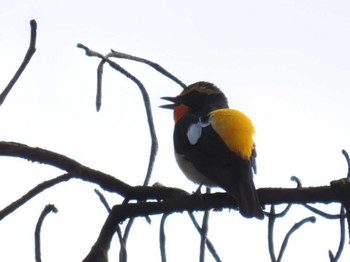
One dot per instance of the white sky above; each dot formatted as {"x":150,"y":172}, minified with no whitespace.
{"x":284,"y":63}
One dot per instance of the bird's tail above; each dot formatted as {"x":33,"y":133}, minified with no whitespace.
{"x":248,"y":200}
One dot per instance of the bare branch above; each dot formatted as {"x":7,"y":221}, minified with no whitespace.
{"x":147,"y":103}
{"x":204,"y":232}
{"x":210,"y":245}
{"x":271,"y":224}
{"x":347,"y":158}
{"x":342,"y":237}
{"x":48,"y":208}
{"x":174,"y":200}
{"x":322,"y":213}
{"x":103,"y":200}
{"x":294,"y":228}
{"x":77,"y":170}
{"x":156,"y":66}
{"x":32,"y":193}
{"x":30,"y":52}
{"x":162,"y":237}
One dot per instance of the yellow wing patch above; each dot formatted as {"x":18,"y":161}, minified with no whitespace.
{"x":235,"y":129}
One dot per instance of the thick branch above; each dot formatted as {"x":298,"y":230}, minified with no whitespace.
{"x":173,"y":200}
{"x":323,"y":194}
{"x":179,"y":204}
{"x":77,"y":170}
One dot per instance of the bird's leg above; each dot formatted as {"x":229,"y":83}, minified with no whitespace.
{"x":199,"y":190}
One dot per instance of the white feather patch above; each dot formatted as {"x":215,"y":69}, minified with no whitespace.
{"x":195,"y":131}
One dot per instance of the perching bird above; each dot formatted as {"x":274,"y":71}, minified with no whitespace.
{"x":214,"y":144}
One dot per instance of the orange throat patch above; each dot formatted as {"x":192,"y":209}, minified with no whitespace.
{"x":179,"y":112}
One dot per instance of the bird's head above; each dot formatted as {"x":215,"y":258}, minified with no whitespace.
{"x":200,"y":97}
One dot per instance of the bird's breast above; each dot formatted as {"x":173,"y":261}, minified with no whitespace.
{"x":191,"y":172}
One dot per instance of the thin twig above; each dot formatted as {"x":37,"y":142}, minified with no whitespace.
{"x":99,"y":85}
{"x":156,"y":66}
{"x":296,"y":180}
{"x":147,"y":104}
{"x":322,"y":213}
{"x":342,"y":237}
{"x":30,"y":52}
{"x":287,"y":208}
{"x":294,"y":228}
{"x":204,"y":232}
{"x":347,"y":158}
{"x":48,"y":208}
{"x":271,"y":223}
{"x":210,"y":245}
{"x":123,"y":252}
{"x":162,"y":237}
{"x":103,"y":200}
{"x":32,"y":193}
{"x":342,"y":216}
{"x":346,"y":196}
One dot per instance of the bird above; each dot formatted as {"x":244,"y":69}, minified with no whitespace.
{"x":214,"y":144}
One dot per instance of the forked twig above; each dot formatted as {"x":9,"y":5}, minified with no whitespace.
{"x":147,"y":103}
{"x":209,"y":244}
{"x":115,"y":54}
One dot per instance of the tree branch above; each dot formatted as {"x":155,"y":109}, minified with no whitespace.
{"x":172,"y":199}
{"x":48,"y":208}
{"x":30,"y":52}
{"x":32,"y":193}
{"x":77,"y":170}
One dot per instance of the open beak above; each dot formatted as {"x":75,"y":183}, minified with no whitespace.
{"x":171,"y":99}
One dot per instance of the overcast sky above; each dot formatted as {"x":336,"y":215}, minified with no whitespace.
{"x":284,"y":63}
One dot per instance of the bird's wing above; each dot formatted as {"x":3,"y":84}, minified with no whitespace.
{"x":235,"y":129}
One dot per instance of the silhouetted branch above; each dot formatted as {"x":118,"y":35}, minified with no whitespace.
{"x":204,"y":232}
{"x":294,"y":228}
{"x":347,"y":158}
{"x":287,"y":208}
{"x":271,"y":223}
{"x":30,"y":52}
{"x":115,"y":54}
{"x":341,"y":236}
{"x":48,"y":208}
{"x":162,"y":237}
{"x":342,"y":219}
{"x":32,"y":193}
{"x":146,"y":100}
{"x":322,"y":213}
{"x":270,"y":229}
{"x":122,"y":252}
{"x":99,"y":85}
{"x":77,"y":170}
{"x":103,"y":200}
{"x":210,"y":245}
{"x":156,"y":66}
